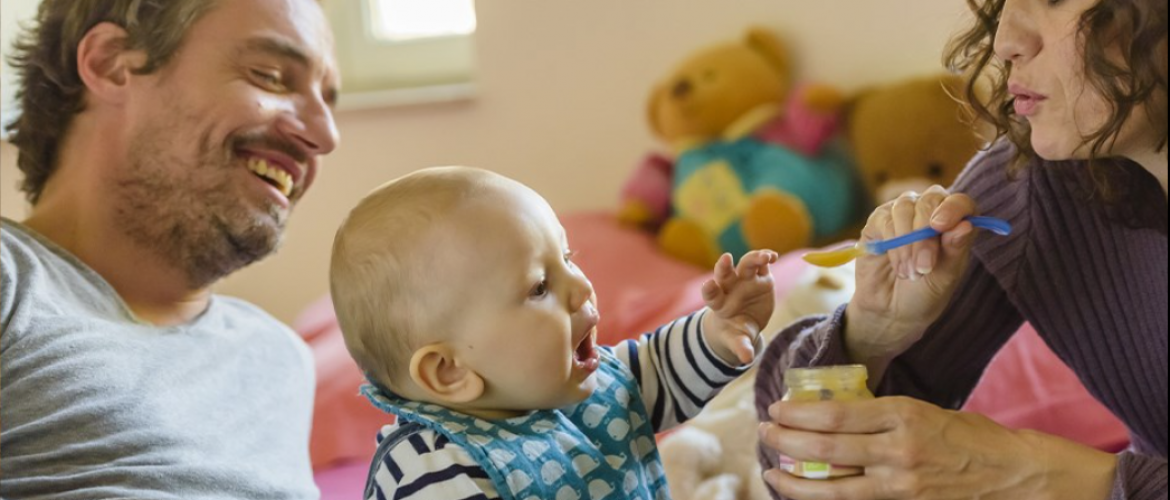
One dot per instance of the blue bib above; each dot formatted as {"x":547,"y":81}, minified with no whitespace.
{"x":602,"y":448}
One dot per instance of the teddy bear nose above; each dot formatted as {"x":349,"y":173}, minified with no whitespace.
{"x":682,"y":89}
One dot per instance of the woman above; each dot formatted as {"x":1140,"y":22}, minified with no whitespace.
{"x":1079,"y":99}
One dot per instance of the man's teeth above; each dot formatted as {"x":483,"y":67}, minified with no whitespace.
{"x":283,"y":180}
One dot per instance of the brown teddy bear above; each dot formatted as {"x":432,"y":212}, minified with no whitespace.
{"x":753,"y":163}
{"x":910,"y":135}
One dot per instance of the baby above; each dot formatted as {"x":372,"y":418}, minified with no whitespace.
{"x":458,"y":297}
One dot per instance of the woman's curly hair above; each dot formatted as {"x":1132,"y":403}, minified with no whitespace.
{"x":1135,"y":29}
{"x":50,"y":91}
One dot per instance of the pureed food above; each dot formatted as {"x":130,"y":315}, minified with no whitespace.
{"x":835,"y":383}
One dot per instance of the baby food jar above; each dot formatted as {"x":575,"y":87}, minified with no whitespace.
{"x":834,"y":383}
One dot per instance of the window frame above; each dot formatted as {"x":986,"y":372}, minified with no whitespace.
{"x":424,"y":70}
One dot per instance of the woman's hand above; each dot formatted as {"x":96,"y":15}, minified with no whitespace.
{"x":741,"y":300}
{"x":914,"y":451}
{"x":900,"y":294}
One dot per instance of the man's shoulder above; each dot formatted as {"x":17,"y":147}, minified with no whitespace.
{"x":24,"y":260}
{"x":18,"y":246}
{"x":9,"y":272}
{"x":24,"y":251}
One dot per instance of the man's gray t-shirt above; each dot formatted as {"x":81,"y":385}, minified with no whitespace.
{"x":95,"y":404}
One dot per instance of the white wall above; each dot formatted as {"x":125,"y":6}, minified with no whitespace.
{"x":562,"y":85}
{"x":11,"y":12}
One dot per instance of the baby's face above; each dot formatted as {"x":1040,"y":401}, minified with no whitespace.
{"x":528,"y":322}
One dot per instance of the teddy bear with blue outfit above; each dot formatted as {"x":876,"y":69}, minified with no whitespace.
{"x":756,"y":159}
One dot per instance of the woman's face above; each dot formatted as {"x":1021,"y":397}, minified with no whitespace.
{"x":1041,"y":40}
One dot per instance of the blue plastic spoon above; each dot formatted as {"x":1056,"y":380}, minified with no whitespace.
{"x":842,"y":256}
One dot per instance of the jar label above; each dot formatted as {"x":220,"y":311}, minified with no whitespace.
{"x":815,"y":470}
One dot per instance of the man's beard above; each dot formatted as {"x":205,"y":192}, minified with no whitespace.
{"x":195,"y":215}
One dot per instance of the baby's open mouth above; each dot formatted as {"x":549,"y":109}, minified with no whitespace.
{"x":586,"y":357}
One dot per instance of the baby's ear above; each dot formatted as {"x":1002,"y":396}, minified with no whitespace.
{"x":436,"y":370}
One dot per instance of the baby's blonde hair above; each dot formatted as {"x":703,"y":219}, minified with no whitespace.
{"x":388,"y":298}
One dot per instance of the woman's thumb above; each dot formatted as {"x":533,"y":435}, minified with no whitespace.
{"x":955,"y":252}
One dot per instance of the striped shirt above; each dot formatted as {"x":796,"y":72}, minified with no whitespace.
{"x":676,"y":369}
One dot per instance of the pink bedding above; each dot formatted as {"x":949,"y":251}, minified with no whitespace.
{"x":638,"y":289}
{"x":1028,"y":387}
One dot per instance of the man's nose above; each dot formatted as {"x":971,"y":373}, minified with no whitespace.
{"x":313,"y":128}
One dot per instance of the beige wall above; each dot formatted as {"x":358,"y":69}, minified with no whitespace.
{"x":562,"y":85}
{"x":11,"y":202}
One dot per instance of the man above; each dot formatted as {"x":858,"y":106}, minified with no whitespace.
{"x":163,"y":145}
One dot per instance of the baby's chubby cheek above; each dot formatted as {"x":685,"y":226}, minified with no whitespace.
{"x":534,"y":370}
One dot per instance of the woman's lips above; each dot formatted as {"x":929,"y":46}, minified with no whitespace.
{"x":1027,"y":106}
{"x":1026,"y":103}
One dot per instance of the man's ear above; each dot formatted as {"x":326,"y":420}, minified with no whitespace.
{"x":104,"y":63}
{"x":436,"y":370}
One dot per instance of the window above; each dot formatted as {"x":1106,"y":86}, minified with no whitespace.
{"x":390,"y":51}
{"x":402,"y":20}
{"x":404,"y":51}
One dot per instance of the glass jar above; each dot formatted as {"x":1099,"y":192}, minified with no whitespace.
{"x":834,"y":383}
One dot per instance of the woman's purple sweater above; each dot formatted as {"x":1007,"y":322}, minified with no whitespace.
{"x":1091,"y":280}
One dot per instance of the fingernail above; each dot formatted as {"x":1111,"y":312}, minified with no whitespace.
{"x":925,"y":262}
{"x":772,"y":477}
{"x":762,"y":431}
{"x":940,"y":220}
{"x":774,"y":411}
{"x":904,"y":271}
{"x":962,"y":239}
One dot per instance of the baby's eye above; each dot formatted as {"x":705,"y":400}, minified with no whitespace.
{"x":540,"y":290}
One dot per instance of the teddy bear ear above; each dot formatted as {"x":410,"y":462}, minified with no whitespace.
{"x":652,"y":107}
{"x":767,"y":44}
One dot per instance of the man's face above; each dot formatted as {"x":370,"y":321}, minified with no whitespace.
{"x":225,"y":138}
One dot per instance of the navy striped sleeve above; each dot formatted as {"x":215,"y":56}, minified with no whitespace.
{"x":427,"y":466}
{"x":676,"y":370}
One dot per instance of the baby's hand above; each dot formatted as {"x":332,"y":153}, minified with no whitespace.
{"x":741,"y":300}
